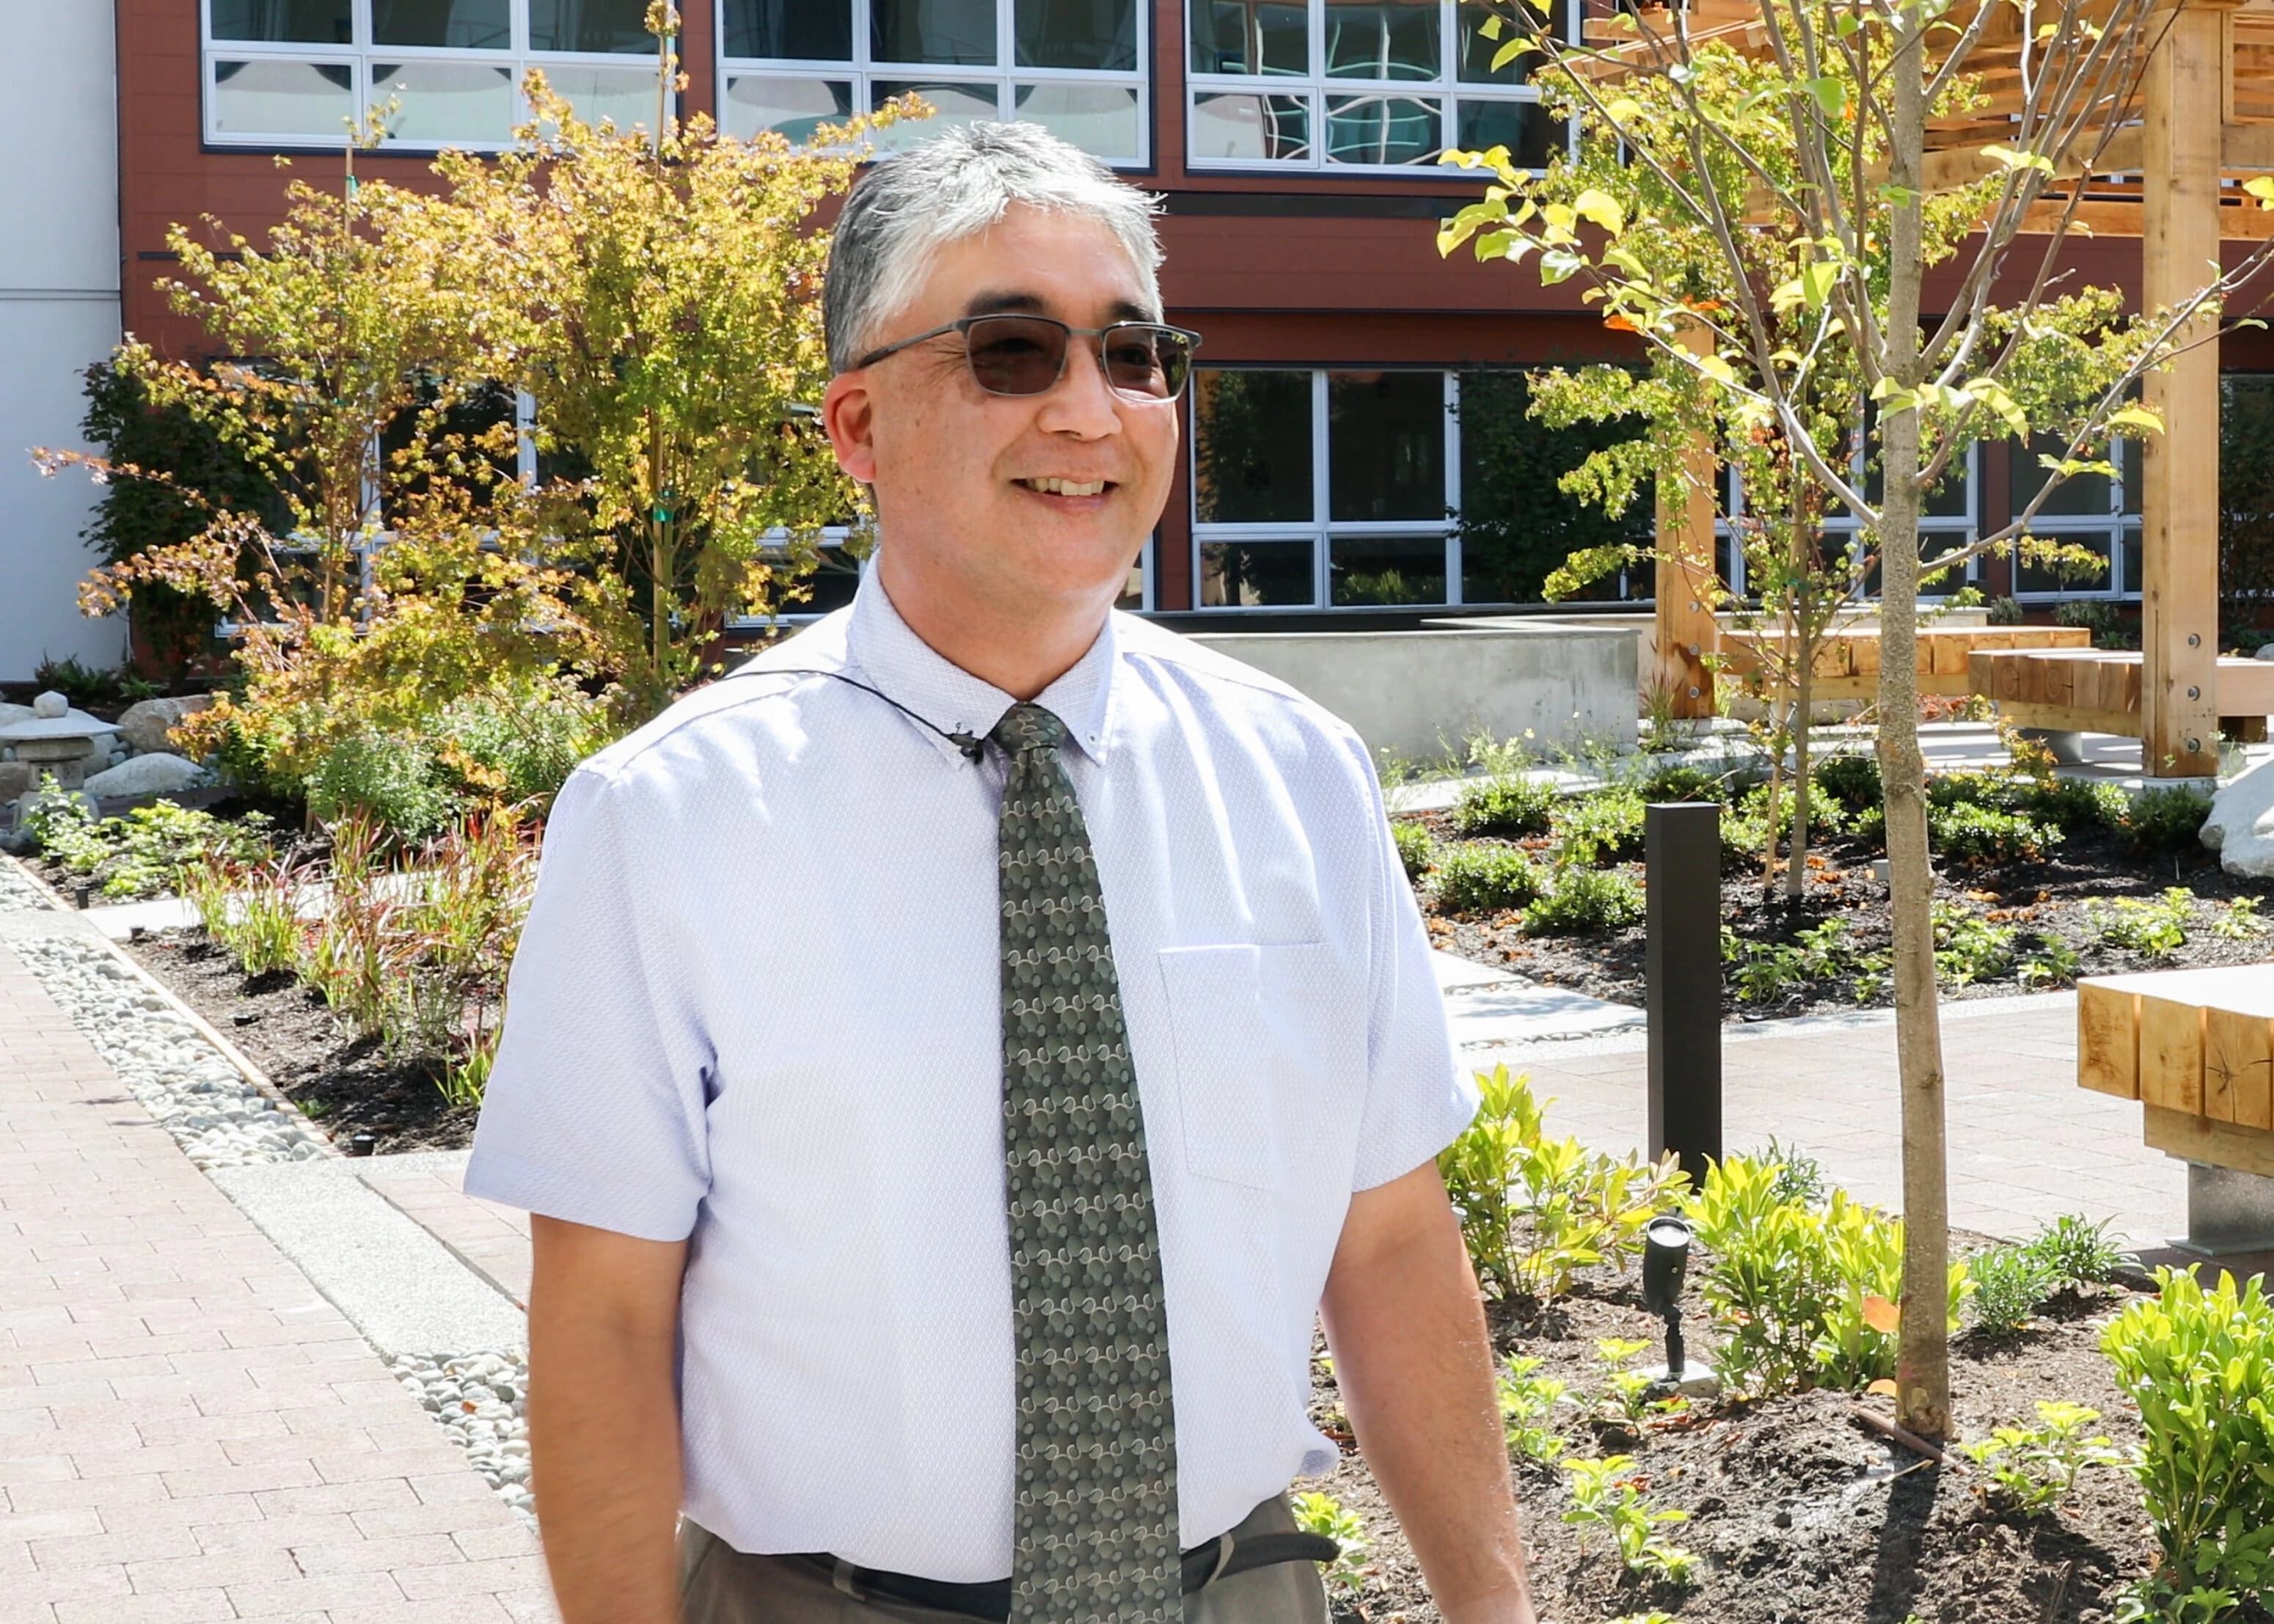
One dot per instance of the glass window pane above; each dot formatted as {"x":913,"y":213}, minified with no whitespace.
{"x":1474,"y":65}
{"x":1101,"y":119}
{"x":804,"y":30}
{"x":1133,"y":588}
{"x":1251,"y":447}
{"x":2134,"y":566}
{"x":2036,"y":577}
{"x":951,"y":104}
{"x":1266,"y":128}
{"x":2134,"y":474}
{"x":2081,"y":493}
{"x":462,"y":25}
{"x":1517,"y":521}
{"x":1524,"y":127}
{"x":1400,"y":570}
{"x":1077,"y":33}
{"x":283,"y":98}
{"x":1385,"y":446}
{"x":320,"y":22}
{"x":1382,"y":129}
{"x":1256,"y":574}
{"x":1244,"y":36}
{"x":616,"y":26}
{"x":623,"y":95}
{"x":1369,"y":39}
{"x":444,"y":101}
{"x":790,"y":107}
{"x":957,"y":31}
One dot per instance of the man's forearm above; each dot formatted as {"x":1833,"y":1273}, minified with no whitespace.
{"x":604,"y":1442}
{"x":1414,"y":1363}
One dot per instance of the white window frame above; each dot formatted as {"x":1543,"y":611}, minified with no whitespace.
{"x":2115,"y":528}
{"x":361,"y":57}
{"x":863,"y":70}
{"x":1322,"y":530}
{"x":1316,"y":88}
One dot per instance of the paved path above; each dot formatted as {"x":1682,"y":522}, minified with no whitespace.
{"x":188,"y":1430}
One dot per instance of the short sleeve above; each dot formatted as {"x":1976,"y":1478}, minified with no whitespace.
{"x":594,"y":1111}
{"x":1419,"y":1097}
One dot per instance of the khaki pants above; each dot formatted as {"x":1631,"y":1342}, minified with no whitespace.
{"x":719,"y":1584}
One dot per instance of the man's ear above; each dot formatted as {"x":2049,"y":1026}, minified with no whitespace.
{"x":848,"y":412}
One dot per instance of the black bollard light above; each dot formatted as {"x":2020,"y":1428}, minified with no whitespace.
{"x":1665,"y":1260}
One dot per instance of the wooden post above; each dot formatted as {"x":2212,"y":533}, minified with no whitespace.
{"x":2186,"y":90}
{"x":1685,"y":577}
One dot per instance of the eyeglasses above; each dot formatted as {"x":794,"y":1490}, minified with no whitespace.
{"x":1027,"y":354}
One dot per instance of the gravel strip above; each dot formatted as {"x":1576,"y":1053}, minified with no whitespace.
{"x":18,"y":893}
{"x":477,"y":1397}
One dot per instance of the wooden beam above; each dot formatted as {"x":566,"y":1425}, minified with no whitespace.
{"x":2185,"y":97}
{"x":1685,"y":578}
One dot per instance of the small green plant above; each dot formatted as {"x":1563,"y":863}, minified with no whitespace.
{"x":1853,"y":780}
{"x":2054,"y":963}
{"x":1799,"y":1178}
{"x":2009,"y":1282}
{"x":1416,"y":850}
{"x":1602,"y":828}
{"x":1966,"y":832}
{"x":2152,"y":928}
{"x":2078,"y":1254}
{"x":146,"y":851}
{"x":1526,"y":1399}
{"x":2169,"y":819}
{"x":2004,"y":612}
{"x":1767,"y":970}
{"x":1968,"y":948}
{"x":1505,"y":805}
{"x":1487,"y":879}
{"x":1322,"y":1513}
{"x":1604,"y":1495}
{"x":264,"y":931}
{"x":2200,"y":1363}
{"x":2240,"y":920}
{"x":2032,"y":1470}
{"x":1580,"y":901}
{"x":1627,"y":1403}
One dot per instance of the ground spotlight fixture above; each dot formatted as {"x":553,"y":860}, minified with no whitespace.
{"x":1665,"y":1260}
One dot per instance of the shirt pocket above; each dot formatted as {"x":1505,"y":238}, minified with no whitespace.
{"x":1258,"y":1041}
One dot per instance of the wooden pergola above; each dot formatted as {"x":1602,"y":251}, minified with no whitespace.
{"x":2202,"y":112}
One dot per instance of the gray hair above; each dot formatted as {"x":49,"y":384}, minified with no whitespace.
{"x":906,"y":207}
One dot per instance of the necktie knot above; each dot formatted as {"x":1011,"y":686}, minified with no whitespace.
{"x":1028,"y":727}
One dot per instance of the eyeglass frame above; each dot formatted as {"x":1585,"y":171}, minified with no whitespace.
{"x":963,"y":325}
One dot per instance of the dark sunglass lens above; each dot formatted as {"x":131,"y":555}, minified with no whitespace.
{"x":1147,"y":360}
{"x":1016,"y":355}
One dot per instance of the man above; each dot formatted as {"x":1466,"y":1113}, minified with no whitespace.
{"x":952,"y":1059}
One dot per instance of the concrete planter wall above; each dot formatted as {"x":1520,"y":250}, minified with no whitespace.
{"x":1420,"y":693}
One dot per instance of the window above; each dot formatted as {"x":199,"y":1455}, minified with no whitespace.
{"x":1355,"y":84}
{"x":1076,"y":67}
{"x":296,"y":72}
{"x":1323,"y":488}
{"x":2088,"y":510}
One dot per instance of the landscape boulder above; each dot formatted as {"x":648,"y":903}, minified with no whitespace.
{"x":160,"y":773}
{"x":2241,"y":827}
{"x":148,"y":726}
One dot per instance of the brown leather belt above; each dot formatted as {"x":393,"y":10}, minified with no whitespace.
{"x":1204,"y":1564}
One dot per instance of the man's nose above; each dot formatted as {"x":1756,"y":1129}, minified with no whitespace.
{"x":1083,"y":402}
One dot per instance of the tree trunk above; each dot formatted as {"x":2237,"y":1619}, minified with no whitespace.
{"x":1923,"y":1357}
{"x":1806,"y":636}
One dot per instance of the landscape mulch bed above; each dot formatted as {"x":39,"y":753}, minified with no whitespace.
{"x":1798,"y":1512}
{"x":2049,"y":896}
{"x":344,"y":1083}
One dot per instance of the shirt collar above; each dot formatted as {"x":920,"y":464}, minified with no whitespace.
{"x":911,"y":673}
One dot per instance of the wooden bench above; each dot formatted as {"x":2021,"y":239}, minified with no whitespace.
{"x":2196,"y":1049}
{"x":2097,"y":691}
{"x":1846,"y":664}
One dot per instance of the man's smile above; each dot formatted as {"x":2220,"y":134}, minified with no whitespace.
{"x":1052,"y":486}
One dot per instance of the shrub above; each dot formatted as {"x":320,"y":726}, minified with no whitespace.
{"x":2053,"y":963}
{"x":520,"y":744}
{"x":146,"y":851}
{"x":2034,"y":1470}
{"x":2169,"y":819}
{"x":2077,"y":803}
{"x":2199,"y":1364}
{"x":1998,"y":791}
{"x":392,"y":778}
{"x":1971,"y":833}
{"x":1679,"y":783}
{"x":1853,"y":780}
{"x":1577,"y":1208}
{"x":1968,"y":948}
{"x":2078,"y":1254}
{"x":1416,"y":850}
{"x":2154,"y":928}
{"x":2009,"y":1282}
{"x":1582,"y":900}
{"x":1506,"y":805}
{"x":1600,"y":828}
{"x":1322,"y":1513}
{"x":1483,"y":879}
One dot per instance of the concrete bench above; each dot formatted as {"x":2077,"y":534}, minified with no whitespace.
{"x":1846,"y":664}
{"x":2196,"y":1049}
{"x":2097,"y":691}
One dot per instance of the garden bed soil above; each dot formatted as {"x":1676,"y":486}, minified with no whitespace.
{"x":2050,"y":897}
{"x":343,"y":1083}
{"x":1798,"y":1512}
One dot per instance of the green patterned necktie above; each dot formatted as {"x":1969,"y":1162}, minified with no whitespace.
{"x":1096,"y":1523}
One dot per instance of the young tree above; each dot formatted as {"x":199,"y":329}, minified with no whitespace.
{"x":1787,"y":141}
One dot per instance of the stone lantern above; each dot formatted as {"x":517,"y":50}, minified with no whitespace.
{"x":55,"y":739}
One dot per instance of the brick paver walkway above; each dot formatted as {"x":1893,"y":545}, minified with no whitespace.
{"x":188,"y":1431}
